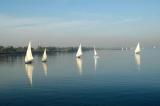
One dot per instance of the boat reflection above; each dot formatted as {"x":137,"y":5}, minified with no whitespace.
{"x":79,"y":65}
{"x":138,"y":60}
{"x":29,"y":72}
{"x":45,"y":68}
{"x":95,"y":62}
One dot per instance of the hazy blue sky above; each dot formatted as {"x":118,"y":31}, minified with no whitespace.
{"x":68,"y":22}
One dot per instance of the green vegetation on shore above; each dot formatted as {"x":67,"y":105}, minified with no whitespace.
{"x":40,"y":49}
{"x":22,"y":50}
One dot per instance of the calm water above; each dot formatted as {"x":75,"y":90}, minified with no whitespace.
{"x":117,"y":78}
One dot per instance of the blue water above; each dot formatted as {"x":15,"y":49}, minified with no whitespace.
{"x":117,"y":78}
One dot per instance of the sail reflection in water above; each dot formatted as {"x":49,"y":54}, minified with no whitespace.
{"x":45,"y":68}
{"x":79,"y":65}
{"x":138,"y":60}
{"x":95,"y":62}
{"x":29,"y":72}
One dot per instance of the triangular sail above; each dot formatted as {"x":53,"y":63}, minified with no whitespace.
{"x":44,"y":58}
{"x":95,"y":52}
{"x":138,"y":49}
{"x":29,"y":56}
{"x":79,"y":52}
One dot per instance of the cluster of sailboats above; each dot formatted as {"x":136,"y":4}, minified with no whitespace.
{"x":29,"y":57}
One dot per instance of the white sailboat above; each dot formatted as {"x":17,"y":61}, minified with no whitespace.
{"x":79,"y":52}
{"x":154,"y":47}
{"x":29,"y":56}
{"x":44,"y":58}
{"x":138,"y":49}
{"x":122,"y":49}
{"x":95,"y":52}
{"x":29,"y":72}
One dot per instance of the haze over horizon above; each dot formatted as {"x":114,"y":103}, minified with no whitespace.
{"x":104,"y":23}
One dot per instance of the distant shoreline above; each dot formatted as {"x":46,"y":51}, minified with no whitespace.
{"x":39,"y":50}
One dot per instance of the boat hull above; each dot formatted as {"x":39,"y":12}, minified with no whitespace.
{"x":44,"y":61}
{"x":78,"y":56}
{"x":137,"y":52}
{"x":29,"y":62}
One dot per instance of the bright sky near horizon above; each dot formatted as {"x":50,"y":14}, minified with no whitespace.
{"x":104,"y":23}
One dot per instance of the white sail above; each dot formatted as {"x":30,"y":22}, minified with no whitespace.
{"x":95,"y":52}
{"x":122,"y":48}
{"x":29,"y":57}
{"x":138,"y":49}
{"x":79,"y":52}
{"x":154,"y":47}
{"x":44,"y":58}
{"x":29,"y":71}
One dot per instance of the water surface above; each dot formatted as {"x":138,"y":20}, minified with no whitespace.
{"x":117,"y":78}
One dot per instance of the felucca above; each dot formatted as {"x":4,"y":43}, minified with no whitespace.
{"x":29,"y":57}
{"x":79,"y":52}
{"x":44,"y":58}
{"x":138,"y":49}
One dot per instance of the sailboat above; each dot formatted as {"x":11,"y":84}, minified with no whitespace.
{"x":79,"y":52}
{"x":44,"y":58}
{"x":122,"y":48}
{"x":138,"y":49}
{"x":29,"y":56}
{"x":95,"y":52}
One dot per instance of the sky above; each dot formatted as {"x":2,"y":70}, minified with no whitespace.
{"x":103,"y":23}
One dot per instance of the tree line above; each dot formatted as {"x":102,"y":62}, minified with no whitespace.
{"x":40,"y":49}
